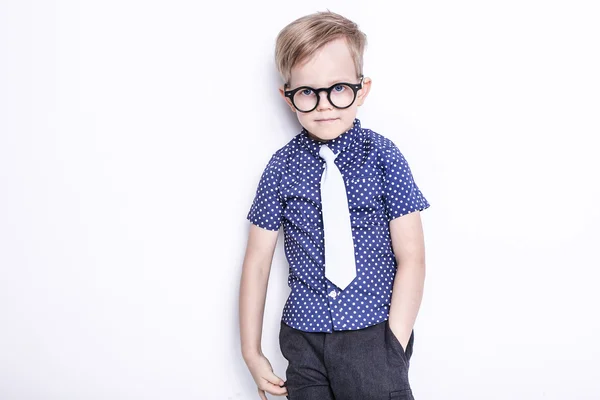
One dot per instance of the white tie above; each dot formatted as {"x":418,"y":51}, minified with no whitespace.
{"x":340,"y":265}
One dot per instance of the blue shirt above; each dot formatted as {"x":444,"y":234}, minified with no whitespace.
{"x":380,"y":187}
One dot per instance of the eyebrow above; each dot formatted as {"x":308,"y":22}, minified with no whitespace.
{"x":331,"y":82}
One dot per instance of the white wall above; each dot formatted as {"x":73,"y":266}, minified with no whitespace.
{"x":132,"y":138}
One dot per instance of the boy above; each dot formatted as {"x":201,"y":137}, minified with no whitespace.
{"x":338,"y":189}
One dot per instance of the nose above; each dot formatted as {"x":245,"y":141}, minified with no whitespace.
{"x":324,"y":103}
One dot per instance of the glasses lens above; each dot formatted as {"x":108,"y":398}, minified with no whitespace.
{"x":305,"y":99}
{"x":342,"y":96}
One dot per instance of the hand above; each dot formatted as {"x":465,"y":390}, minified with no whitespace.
{"x":265,"y":379}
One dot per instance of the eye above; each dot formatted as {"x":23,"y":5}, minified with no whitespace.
{"x":306,"y":92}
{"x":339,"y":88}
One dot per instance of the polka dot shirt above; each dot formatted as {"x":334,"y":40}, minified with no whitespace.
{"x":380,"y":187}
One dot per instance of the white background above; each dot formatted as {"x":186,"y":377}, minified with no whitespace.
{"x":133,"y":135}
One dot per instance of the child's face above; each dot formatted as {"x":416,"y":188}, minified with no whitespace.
{"x":332,"y":64}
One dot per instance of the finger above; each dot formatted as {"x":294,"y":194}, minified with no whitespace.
{"x":262,"y":395}
{"x":274,"y":379}
{"x":274,"y":389}
{"x":277,"y":391}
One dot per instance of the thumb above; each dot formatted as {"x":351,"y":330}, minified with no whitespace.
{"x":274,"y":379}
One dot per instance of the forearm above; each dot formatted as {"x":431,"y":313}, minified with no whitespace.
{"x":406,"y":298}
{"x":253,"y":291}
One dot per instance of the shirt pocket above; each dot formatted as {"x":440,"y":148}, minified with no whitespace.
{"x":355,"y":179}
{"x":365,"y":192}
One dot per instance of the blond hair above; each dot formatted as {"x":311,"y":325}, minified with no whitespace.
{"x":302,"y":38}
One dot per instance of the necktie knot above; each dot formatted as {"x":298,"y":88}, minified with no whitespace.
{"x":326,"y":154}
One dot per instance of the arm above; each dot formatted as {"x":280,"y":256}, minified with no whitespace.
{"x":409,"y":249}
{"x":253,"y":290}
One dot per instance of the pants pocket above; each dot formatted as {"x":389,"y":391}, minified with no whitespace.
{"x":405,"y":394}
{"x":405,"y":353}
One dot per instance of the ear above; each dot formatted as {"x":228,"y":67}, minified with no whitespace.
{"x":364,"y":92}
{"x":287,"y":100}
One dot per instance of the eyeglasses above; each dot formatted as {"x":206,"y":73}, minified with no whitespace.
{"x":341,"y":95}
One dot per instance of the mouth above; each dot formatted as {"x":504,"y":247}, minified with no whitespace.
{"x":326,"y":120}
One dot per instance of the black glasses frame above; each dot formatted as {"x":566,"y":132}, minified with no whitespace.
{"x":354,"y":86}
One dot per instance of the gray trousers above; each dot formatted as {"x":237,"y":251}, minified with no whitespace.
{"x":365,"y":364}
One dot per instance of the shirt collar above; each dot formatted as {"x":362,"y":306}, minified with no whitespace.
{"x":336,"y":145}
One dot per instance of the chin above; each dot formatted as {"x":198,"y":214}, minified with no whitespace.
{"x":326,"y":133}
{"x":326,"y":136}
{"x":327,"y":130}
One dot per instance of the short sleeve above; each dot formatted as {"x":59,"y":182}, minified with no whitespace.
{"x":401,"y":194}
{"x":267,"y":207}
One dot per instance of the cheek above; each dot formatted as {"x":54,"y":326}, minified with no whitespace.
{"x":303,"y":118}
{"x":351,"y":111}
